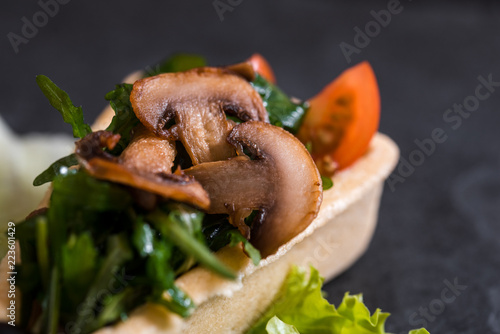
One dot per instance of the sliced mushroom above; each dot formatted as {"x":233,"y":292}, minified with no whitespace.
{"x":148,"y":153}
{"x":281,"y":182}
{"x":104,"y":166}
{"x":197,"y":101}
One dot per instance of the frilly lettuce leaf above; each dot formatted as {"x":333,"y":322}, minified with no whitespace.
{"x":301,"y":308}
{"x":419,"y":331}
{"x":276,"y":326}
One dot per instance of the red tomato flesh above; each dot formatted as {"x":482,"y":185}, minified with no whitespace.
{"x":342,"y":119}
{"x":261,"y":66}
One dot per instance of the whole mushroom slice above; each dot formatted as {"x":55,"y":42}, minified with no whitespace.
{"x":104,"y":166}
{"x":281,"y":182}
{"x":197,"y":101}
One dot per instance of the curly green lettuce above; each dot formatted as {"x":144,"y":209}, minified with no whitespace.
{"x":301,"y":308}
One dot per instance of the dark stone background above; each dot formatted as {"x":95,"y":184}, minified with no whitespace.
{"x":441,"y":224}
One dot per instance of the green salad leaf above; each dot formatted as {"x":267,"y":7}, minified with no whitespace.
{"x":79,"y":262}
{"x":50,"y":319}
{"x":117,"y":254}
{"x":250,"y":250}
{"x":60,"y":100}
{"x":72,"y":115}
{"x":177,"y":63}
{"x":327,"y":182}
{"x":183,"y":228}
{"x":58,"y":167}
{"x":283,"y":112}
{"x":276,"y":326}
{"x":77,"y":192}
{"x":124,"y":120}
{"x":300,"y":303}
{"x":419,"y":331}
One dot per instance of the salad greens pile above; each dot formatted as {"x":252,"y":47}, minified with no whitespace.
{"x":300,"y":307}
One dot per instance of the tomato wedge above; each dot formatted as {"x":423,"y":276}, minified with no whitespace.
{"x":261,"y":66}
{"x":342,"y":119}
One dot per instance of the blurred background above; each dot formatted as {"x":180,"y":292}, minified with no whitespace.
{"x":434,"y":260}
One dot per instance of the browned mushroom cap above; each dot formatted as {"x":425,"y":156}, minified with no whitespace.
{"x":104,"y":166}
{"x":282,"y":182}
{"x":197,"y":101}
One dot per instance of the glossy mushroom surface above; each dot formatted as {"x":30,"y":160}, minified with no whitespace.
{"x":197,"y":101}
{"x":149,"y":153}
{"x":104,"y":166}
{"x":279,"y":180}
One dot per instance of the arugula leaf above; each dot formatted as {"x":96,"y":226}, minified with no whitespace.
{"x":158,"y":270}
{"x":276,"y":326}
{"x":42,"y":240}
{"x":79,"y":194}
{"x":143,"y":238}
{"x":124,"y":120}
{"x":81,"y":203}
{"x":182,"y":226}
{"x":160,"y":274}
{"x":300,"y":303}
{"x":116,"y":306}
{"x":177,"y":63}
{"x":327,"y":182}
{"x":52,"y":306}
{"x":60,"y":100}
{"x":79,"y":262}
{"x":118,"y":254}
{"x":59,"y":167}
{"x":177,"y":301}
{"x":283,"y":112}
{"x":252,"y":252}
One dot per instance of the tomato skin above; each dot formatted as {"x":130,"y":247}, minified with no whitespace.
{"x":261,"y":66}
{"x":342,"y":119}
